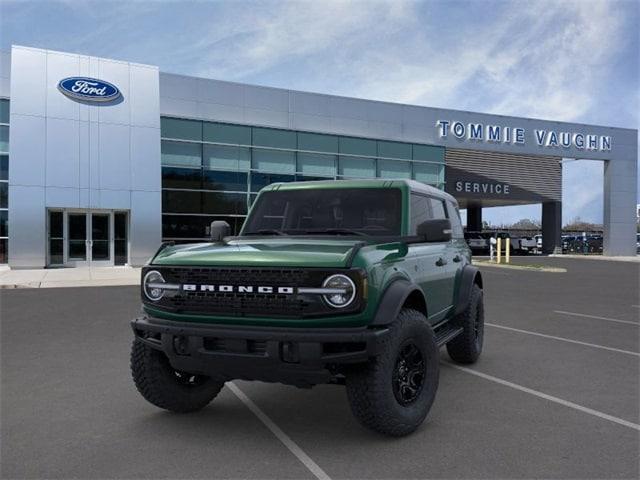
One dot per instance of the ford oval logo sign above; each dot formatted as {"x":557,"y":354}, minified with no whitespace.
{"x":89,"y":89}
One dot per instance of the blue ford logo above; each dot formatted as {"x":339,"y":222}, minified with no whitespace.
{"x":89,"y":89}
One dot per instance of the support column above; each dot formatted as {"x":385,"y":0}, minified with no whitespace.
{"x":474,"y":218}
{"x":620,"y":198}
{"x":551,"y":227}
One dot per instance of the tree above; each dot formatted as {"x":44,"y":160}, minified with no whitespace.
{"x":579,"y":225}
{"x":526,"y":224}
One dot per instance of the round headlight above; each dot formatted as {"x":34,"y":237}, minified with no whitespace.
{"x":151,"y":287}
{"x":344,"y":290}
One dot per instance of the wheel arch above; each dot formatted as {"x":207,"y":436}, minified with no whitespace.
{"x":470,"y":276}
{"x":399,"y":294}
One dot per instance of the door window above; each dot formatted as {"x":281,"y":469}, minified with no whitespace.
{"x":420,"y":211}
{"x":56,"y":238}
{"x":100,"y":248}
{"x":120,"y":245}
{"x":77,"y":236}
{"x":438,"y":211}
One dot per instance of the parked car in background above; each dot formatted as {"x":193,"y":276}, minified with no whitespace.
{"x":478,"y":243}
{"x":528,"y":244}
{"x":538,"y":247}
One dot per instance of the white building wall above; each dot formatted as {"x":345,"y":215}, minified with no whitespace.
{"x":71,"y":154}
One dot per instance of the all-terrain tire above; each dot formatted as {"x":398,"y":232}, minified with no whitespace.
{"x":160,"y":384}
{"x":373,"y":390}
{"x":467,"y":347}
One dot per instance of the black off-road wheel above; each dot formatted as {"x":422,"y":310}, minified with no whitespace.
{"x":394,"y":392}
{"x":163,"y":386}
{"x":467,"y":347}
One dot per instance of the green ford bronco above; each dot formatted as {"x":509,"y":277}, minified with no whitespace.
{"x":350,"y":282}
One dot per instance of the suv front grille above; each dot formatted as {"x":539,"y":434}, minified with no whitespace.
{"x":249,"y":304}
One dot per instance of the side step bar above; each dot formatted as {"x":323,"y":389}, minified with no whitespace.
{"x":447,"y":333}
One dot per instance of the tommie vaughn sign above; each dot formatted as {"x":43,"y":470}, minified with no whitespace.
{"x":478,"y":132}
{"x":88,"y":89}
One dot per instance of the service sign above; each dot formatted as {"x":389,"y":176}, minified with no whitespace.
{"x":88,"y":89}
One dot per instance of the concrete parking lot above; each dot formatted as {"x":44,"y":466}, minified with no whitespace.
{"x":555,"y":395}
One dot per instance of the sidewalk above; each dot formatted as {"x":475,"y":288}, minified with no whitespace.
{"x":69,"y":277}
{"x":635,"y":259}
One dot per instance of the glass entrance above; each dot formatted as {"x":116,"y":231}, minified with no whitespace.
{"x":87,"y":238}
{"x":100,"y":241}
{"x":77,"y":237}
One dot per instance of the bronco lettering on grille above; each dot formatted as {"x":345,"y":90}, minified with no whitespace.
{"x":190,"y":287}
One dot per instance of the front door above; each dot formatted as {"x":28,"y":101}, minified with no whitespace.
{"x":100,"y":240}
{"x":87,"y":238}
{"x":77,"y":240}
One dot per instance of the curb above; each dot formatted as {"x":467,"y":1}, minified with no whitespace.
{"x":520,"y":267}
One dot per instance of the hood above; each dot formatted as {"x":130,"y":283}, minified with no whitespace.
{"x":261,"y":252}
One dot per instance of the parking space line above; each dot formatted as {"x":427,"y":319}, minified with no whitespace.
{"x":280,"y":435}
{"x":597,"y":317}
{"x":563,"y":339}
{"x":545,"y":396}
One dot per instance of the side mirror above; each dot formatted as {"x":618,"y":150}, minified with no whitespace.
{"x":219,"y":230}
{"x":435,"y":230}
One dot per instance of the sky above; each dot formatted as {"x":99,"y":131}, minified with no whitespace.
{"x":558,"y":60}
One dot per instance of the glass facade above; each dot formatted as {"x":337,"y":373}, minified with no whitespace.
{"x":212,"y":171}
{"x":4,"y":180}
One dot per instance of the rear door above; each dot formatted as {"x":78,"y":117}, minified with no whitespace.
{"x":428,"y":263}
{"x":452,"y":254}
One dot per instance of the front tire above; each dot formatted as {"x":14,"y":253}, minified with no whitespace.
{"x":467,"y":347}
{"x":394,"y":392}
{"x":163,"y":386}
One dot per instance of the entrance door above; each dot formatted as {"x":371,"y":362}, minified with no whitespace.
{"x":100,"y":241}
{"x":87,"y":238}
{"x":77,"y":240}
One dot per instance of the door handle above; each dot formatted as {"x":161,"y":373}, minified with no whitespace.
{"x":457,"y":258}
{"x":441,"y":262}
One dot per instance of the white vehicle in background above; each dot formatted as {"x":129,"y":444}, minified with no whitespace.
{"x":477,"y":242}
{"x":538,"y":246}
{"x":528,"y":245}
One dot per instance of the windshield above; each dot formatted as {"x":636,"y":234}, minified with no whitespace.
{"x":358,"y":211}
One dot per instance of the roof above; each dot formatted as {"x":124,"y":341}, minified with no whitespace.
{"x":412,"y":185}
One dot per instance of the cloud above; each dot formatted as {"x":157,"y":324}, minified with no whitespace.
{"x":570,"y":60}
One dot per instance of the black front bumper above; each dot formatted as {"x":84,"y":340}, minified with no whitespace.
{"x":296,"y":356}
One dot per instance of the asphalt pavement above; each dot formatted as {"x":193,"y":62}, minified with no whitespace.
{"x":556,"y":394}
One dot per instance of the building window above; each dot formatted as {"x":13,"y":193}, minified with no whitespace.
{"x":227,"y":157}
{"x":181,"y":129}
{"x":188,"y":178}
{"x":394,"y":169}
{"x":356,"y":167}
{"x":274,"y":138}
{"x":4,"y":181}
{"x":4,"y":138}
{"x":181,"y":154}
{"x":394,"y":150}
{"x":276,"y":161}
{"x":224,"y":133}
{"x":430,"y":173}
{"x":317,"y":164}
{"x":224,"y":181}
{"x":213,"y":170}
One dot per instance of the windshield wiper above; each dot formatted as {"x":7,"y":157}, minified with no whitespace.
{"x":337,"y":231}
{"x":266,"y":231}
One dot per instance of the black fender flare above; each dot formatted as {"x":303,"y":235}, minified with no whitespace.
{"x":393,"y":299}
{"x":468,"y":277}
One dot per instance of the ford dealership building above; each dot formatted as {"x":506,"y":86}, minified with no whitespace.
{"x":101,"y":160}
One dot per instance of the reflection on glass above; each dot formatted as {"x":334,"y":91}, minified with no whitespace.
{"x":120,"y":238}
{"x":100,"y":237}
{"x":77,"y":236}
